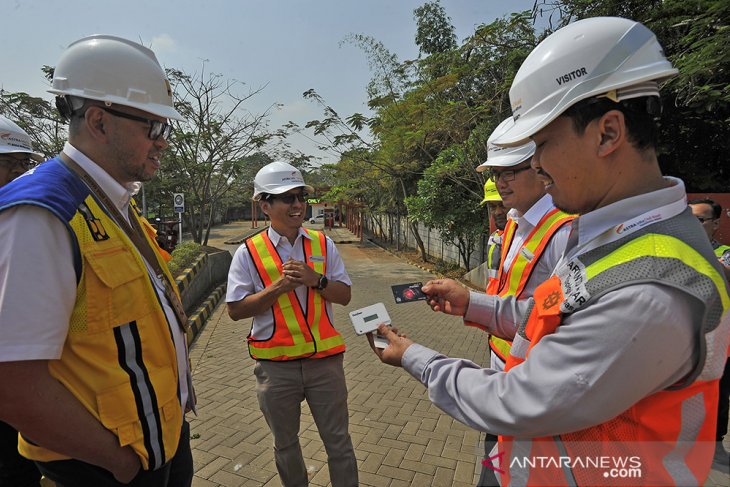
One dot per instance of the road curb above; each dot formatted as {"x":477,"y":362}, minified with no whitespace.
{"x":197,"y":320}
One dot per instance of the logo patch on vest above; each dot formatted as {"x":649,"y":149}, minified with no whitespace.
{"x":573,"y":280}
{"x":551,"y":300}
{"x":316,"y":258}
{"x":98,"y":232}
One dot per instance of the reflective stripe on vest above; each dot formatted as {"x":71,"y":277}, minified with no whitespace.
{"x":670,"y":434}
{"x":295,"y":335}
{"x":721,"y":249}
{"x":512,"y":281}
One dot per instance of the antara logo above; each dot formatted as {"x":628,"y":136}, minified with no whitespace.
{"x":495,"y":466}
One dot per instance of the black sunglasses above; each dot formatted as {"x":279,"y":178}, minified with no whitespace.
{"x":506,"y":175}
{"x":289,"y":198}
{"x":157,"y":129}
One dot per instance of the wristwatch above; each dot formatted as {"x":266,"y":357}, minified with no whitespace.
{"x":322,"y":283}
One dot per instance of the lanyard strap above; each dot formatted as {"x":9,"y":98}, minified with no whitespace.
{"x":135,"y":233}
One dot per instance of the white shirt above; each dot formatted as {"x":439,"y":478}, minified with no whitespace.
{"x":38,"y":280}
{"x":551,"y":255}
{"x":243,"y":279}
{"x":548,"y":259}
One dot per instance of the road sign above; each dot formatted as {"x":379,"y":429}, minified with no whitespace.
{"x":179,"y":202}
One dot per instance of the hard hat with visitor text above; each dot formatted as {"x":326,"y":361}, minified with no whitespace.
{"x":490,"y":192}
{"x":116,"y":71}
{"x":14,"y":139}
{"x":278,"y":177}
{"x":498,"y":156}
{"x":584,"y":59}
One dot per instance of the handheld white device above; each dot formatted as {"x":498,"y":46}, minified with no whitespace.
{"x":367,"y":319}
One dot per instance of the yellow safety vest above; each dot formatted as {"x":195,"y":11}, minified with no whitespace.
{"x":119,"y":357}
{"x":512,"y":281}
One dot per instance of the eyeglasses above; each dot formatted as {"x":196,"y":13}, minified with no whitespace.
{"x":157,"y":129}
{"x":12,"y":163}
{"x":703,"y":220}
{"x":289,"y":198}
{"x":505,"y":175}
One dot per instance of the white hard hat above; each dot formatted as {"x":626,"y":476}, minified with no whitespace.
{"x":114,"y":70}
{"x":14,"y":139}
{"x":278,"y":177}
{"x":505,"y":156}
{"x":584,"y":59}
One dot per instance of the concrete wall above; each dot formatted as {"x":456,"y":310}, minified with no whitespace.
{"x":208,"y":272}
{"x":397,"y":231}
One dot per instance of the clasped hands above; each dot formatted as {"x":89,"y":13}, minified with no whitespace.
{"x":444,"y":295}
{"x":297,"y":273}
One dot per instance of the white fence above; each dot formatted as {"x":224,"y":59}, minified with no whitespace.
{"x":397,"y":231}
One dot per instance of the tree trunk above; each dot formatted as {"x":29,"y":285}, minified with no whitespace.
{"x":209,"y":224}
{"x":419,"y":240}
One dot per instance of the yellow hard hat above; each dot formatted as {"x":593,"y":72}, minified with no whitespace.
{"x":490,"y":192}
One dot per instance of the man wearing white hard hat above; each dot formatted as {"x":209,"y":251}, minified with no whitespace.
{"x":612,"y":377}
{"x":93,"y":348}
{"x":286,"y":278}
{"x":16,"y":151}
{"x":16,"y":157}
{"x":534,"y":236}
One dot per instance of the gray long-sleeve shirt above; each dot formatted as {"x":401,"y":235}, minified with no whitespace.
{"x":604,"y":357}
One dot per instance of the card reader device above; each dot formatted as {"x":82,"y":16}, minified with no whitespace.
{"x":367,"y":319}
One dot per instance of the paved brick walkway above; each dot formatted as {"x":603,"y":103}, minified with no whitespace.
{"x":400,"y":438}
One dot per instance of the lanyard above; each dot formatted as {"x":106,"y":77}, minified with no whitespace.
{"x":135,"y":233}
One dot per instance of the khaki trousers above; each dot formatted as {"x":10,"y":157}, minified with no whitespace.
{"x":281,"y":387}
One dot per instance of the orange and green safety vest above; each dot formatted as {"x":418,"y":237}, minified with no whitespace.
{"x":296,"y":334}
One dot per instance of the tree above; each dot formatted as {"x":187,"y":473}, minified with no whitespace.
{"x":695,"y":128}
{"x":443,"y":103}
{"x":38,"y":117}
{"x":209,"y":148}
{"x":449,"y":204}
{"x":434,"y":32}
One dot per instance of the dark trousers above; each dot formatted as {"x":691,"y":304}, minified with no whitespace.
{"x":178,"y":472}
{"x":15,"y":470}
{"x":488,"y":477}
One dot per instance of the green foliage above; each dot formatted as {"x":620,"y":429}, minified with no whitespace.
{"x":38,"y":118}
{"x":184,"y":256}
{"x":446,"y":201}
{"x":434,"y":32}
{"x":695,"y":35}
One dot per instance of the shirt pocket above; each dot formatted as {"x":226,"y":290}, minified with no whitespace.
{"x":115,"y":286}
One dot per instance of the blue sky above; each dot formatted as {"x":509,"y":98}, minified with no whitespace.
{"x":288,"y":45}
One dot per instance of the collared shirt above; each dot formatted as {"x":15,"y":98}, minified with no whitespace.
{"x":243,"y":279}
{"x":525,"y":224}
{"x":548,"y":259}
{"x":35,"y":312}
{"x":570,"y":376}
